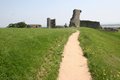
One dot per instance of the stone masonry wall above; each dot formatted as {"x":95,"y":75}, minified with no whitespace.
{"x":91,"y":24}
{"x":51,"y":23}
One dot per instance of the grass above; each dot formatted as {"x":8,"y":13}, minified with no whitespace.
{"x":31,"y":54}
{"x":103,"y":52}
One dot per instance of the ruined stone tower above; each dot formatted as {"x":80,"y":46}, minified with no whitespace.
{"x":75,"y":20}
{"x":48,"y":23}
{"x":51,"y":23}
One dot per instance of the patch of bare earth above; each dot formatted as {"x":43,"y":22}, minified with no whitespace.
{"x":74,"y":64}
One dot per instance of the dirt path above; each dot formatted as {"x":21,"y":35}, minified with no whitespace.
{"x":74,"y":64}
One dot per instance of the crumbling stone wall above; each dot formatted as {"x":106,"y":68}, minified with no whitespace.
{"x":34,"y":26}
{"x":51,"y":23}
{"x":110,"y":29}
{"x":91,"y":24}
{"x":75,"y":20}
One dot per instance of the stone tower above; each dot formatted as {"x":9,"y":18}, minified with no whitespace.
{"x":75,"y":20}
{"x":48,"y":23}
{"x":51,"y":23}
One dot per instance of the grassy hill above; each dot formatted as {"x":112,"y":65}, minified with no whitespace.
{"x":103,"y":52}
{"x":31,"y":54}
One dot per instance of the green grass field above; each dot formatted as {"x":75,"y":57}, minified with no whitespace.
{"x":35,"y":54}
{"x":31,"y":54}
{"x":103,"y":52}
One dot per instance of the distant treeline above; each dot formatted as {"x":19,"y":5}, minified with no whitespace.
{"x":17,"y":25}
{"x":23,"y":25}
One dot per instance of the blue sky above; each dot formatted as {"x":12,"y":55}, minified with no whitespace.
{"x":36,"y":11}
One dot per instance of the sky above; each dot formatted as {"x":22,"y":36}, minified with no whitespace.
{"x":37,"y":11}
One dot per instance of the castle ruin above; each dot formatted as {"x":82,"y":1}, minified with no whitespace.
{"x":75,"y":20}
{"x":90,"y":24}
{"x":51,"y":23}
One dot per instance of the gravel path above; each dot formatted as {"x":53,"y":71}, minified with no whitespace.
{"x":74,"y":64}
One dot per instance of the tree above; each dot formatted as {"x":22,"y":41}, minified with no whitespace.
{"x":65,"y":25}
{"x":18,"y":25}
{"x":11,"y":25}
{"x":21,"y":25}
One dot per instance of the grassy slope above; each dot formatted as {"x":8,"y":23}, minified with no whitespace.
{"x":103,"y":52}
{"x":31,"y":54}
